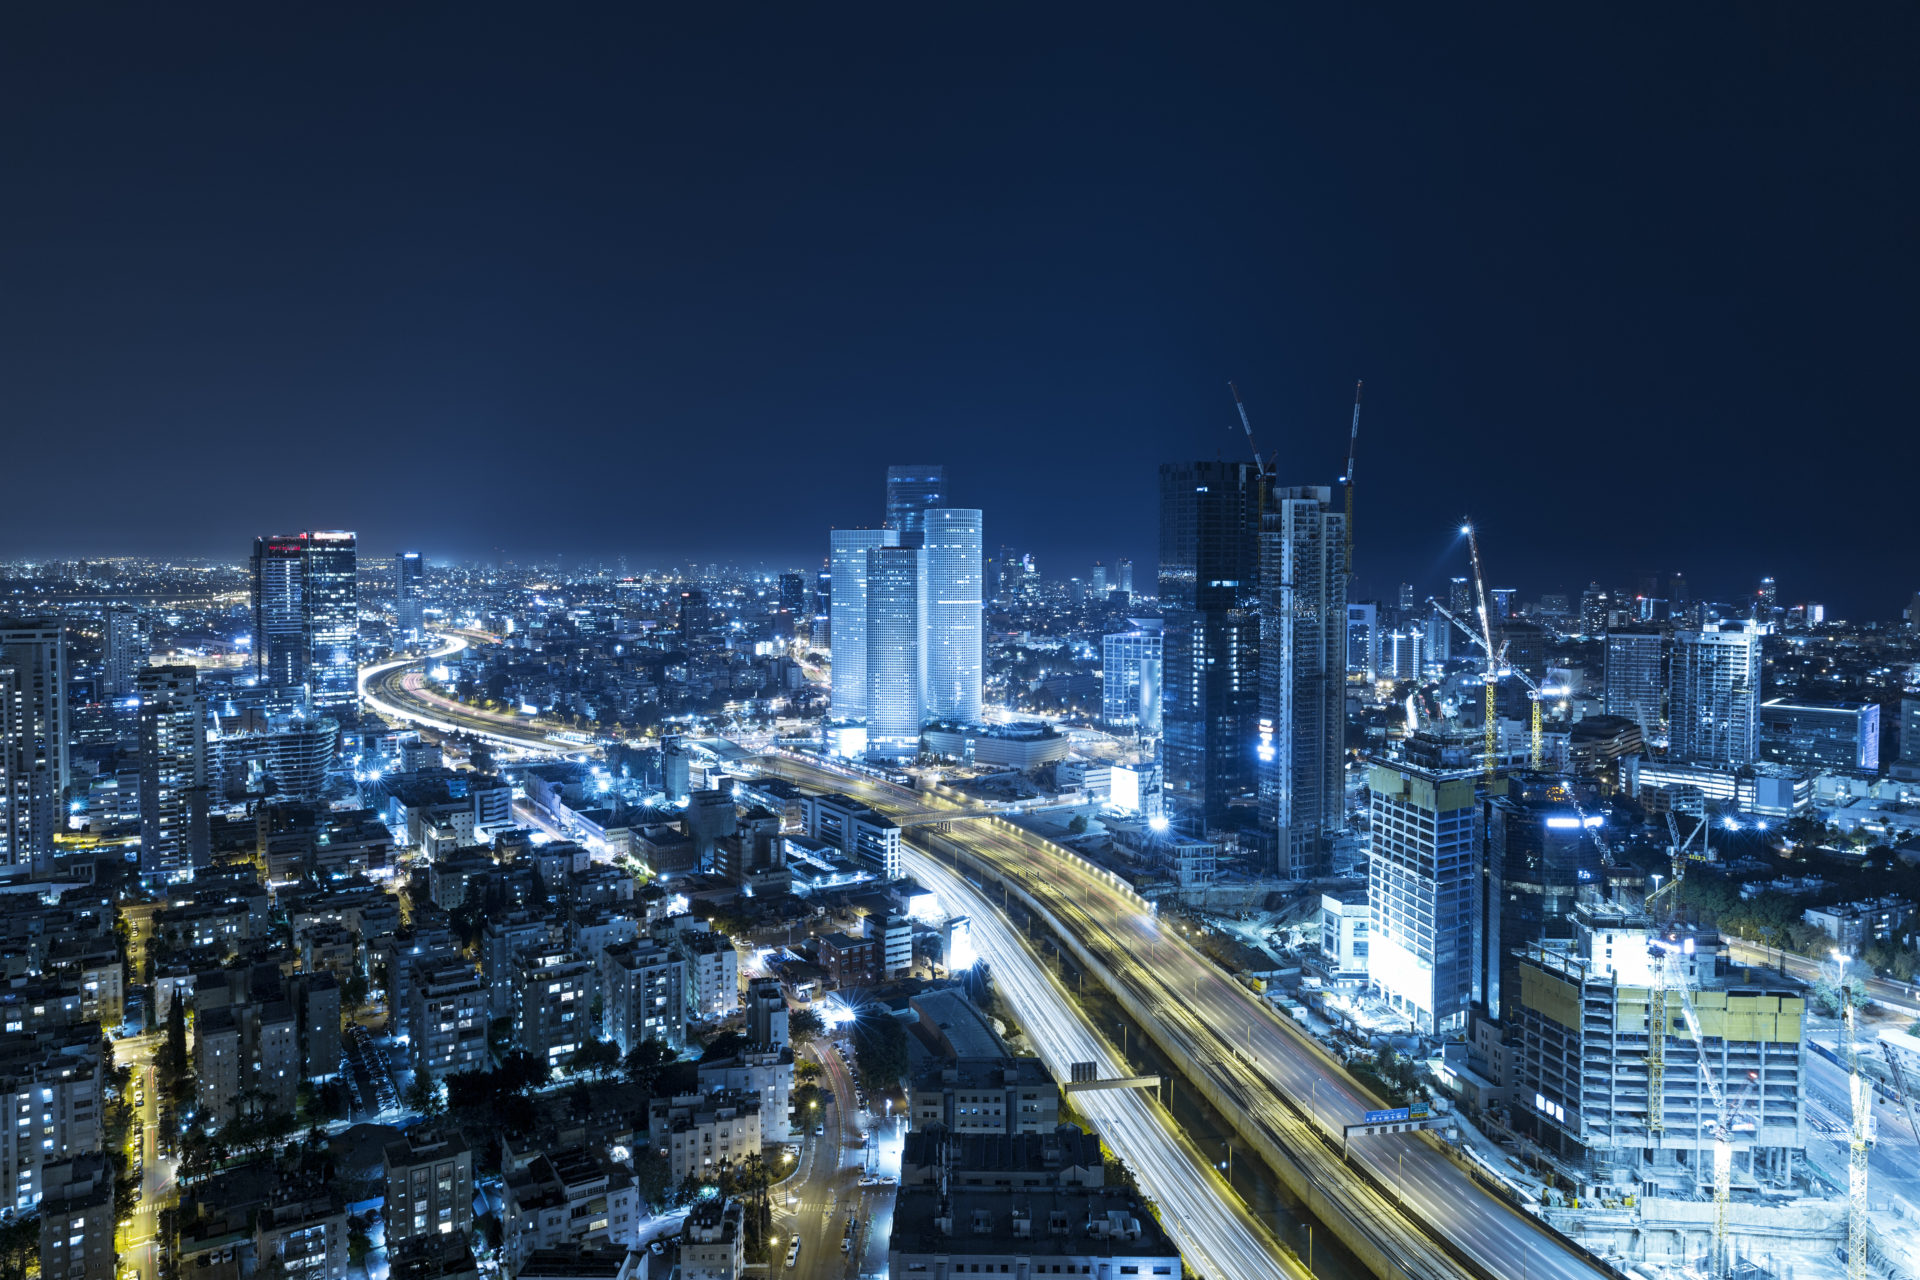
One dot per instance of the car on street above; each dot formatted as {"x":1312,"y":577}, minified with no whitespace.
{"x":793,"y":1252}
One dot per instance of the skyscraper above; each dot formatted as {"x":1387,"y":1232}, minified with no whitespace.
{"x":279,"y":609}
{"x":1637,"y":678}
{"x":847,"y":615}
{"x":1713,"y":697}
{"x":793,"y":594}
{"x":33,"y":739}
{"x":1125,"y":572}
{"x":1097,"y":584}
{"x":123,"y":651}
{"x":332,"y":607}
{"x":1363,"y":626}
{"x":1541,"y":858}
{"x":1460,"y":600}
{"x":954,"y":656}
{"x":306,"y":616}
{"x":912,"y":489}
{"x":1130,"y":678}
{"x":1208,"y":587}
{"x":1300,"y":747}
{"x":173,"y":773}
{"x":409,"y":593}
{"x":1423,"y":882}
{"x":896,"y":667}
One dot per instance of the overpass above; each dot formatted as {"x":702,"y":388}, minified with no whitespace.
{"x":1403,"y":1203}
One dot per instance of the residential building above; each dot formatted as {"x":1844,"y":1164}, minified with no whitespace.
{"x":570,"y":1198}
{"x":1300,"y":737}
{"x":1423,"y":884}
{"x":173,"y":773}
{"x":713,"y":969}
{"x":52,"y":1081}
{"x":766,"y":1006}
{"x":643,"y":994}
{"x":124,"y":649}
{"x":1636,"y":680}
{"x":699,"y":1132}
{"x":855,"y":830}
{"x":429,"y":1187}
{"x":77,"y":1220}
{"x":1855,"y":926}
{"x":1713,"y":697}
{"x":893,"y":945}
{"x":1363,"y":640}
{"x":246,"y":1050}
{"x":449,"y":1014}
{"x":34,"y":740}
{"x":553,"y":993}
{"x":305,"y":1229}
{"x":1067,"y":1157}
{"x":847,"y":960}
{"x":713,"y":1244}
{"x":985,"y":1095}
{"x":1130,"y":678}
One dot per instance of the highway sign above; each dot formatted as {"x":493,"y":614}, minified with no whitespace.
{"x":1384,"y":1117}
{"x":1395,"y":1126}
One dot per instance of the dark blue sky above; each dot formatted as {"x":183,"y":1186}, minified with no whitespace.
{"x":1634,"y":285}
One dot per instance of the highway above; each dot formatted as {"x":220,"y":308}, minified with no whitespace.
{"x":397,"y":689}
{"x":1269,"y":1069}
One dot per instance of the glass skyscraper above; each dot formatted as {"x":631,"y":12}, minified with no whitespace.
{"x":847,"y":615}
{"x":409,"y":593}
{"x":896,"y":650}
{"x":173,"y":773}
{"x":34,"y":761}
{"x":954,"y":568}
{"x":1300,"y":735}
{"x":279,"y":609}
{"x":1208,"y":586}
{"x":306,"y":616}
{"x":912,"y":489}
{"x":1130,"y":678}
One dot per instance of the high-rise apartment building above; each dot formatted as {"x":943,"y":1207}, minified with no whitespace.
{"x":847,"y":615}
{"x":953,"y":641}
{"x":173,"y":773}
{"x":1713,"y":697}
{"x":123,"y":651}
{"x":1300,"y":743}
{"x":896,"y":655}
{"x":1423,"y":884}
{"x":409,"y":593}
{"x":1130,"y":678}
{"x":306,"y":616}
{"x":1637,"y":679}
{"x":912,"y":490}
{"x":34,"y":771}
{"x":1208,"y":587}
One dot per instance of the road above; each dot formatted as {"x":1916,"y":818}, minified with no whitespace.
{"x":398,"y":690}
{"x":1900,"y":995}
{"x":1893,"y":1165}
{"x":1270,"y":1068}
{"x":157,"y":1180}
{"x":825,"y":1187}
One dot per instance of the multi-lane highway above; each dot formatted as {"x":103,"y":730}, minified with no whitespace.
{"x":1417,"y":1207}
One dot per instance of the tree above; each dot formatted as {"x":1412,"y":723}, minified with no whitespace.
{"x":423,"y":1096}
{"x":173,"y":1054}
{"x":597,"y":1057}
{"x":643,"y":1064}
{"x":652,"y":1176}
{"x":805,"y":1025}
{"x":1078,"y":826}
{"x":880,"y":1051}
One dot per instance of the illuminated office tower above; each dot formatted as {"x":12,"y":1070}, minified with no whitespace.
{"x":1460,"y":600}
{"x":1363,"y":629}
{"x":1097,"y":584}
{"x":847,"y":615}
{"x":1300,"y":737}
{"x":952,"y":637}
{"x":306,"y":616}
{"x":1130,"y":678}
{"x":33,"y":739}
{"x":123,"y":651}
{"x":173,"y":773}
{"x":333,"y":623}
{"x":1208,"y":586}
{"x":279,"y":609}
{"x":1125,"y":571}
{"x":1713,"y":697}
{"x":911,"y":490}
{"x":896,"y":666}
{"x":409,"y":593}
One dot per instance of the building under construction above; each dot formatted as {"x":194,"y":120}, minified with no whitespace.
{"x":1585,"y":1066}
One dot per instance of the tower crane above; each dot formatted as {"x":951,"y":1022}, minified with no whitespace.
{"x":1353,"y":442}
{"x":1535,"y":693}
{"x":1669,"y":961}
{"x":1657,"y":1019}
{"x":1860,"y":1094}
{"x":1486,"y":643}
{"x":1259,"y":463}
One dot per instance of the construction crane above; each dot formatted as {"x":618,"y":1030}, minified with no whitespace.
{"x":1353,"y":442}
{"x":1900,"y":1083}
{"x":1535,"y":693}
{"x":1259,"y":463}
{"x":1860,"y":1094}
{"x":1486,"y":643}
{"x":1657,"y":1016}
{"x":1670,"y":960}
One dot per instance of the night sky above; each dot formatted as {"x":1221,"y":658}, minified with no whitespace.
{"x":1636,"y":287}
